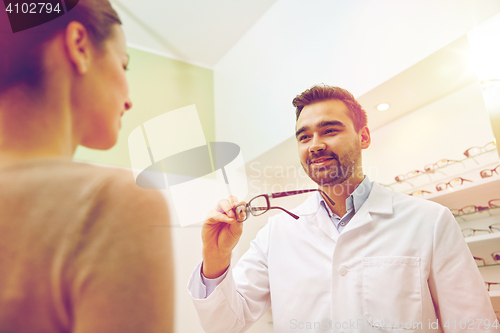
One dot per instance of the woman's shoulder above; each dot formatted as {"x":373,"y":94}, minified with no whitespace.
{"x":76,"y":181}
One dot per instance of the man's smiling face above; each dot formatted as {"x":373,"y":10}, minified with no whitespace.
{"x":329,"y":146}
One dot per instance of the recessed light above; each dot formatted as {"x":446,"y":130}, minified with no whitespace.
{"x":383,"y":107}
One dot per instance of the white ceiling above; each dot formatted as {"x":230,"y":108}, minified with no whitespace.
{"x":199,"y":32}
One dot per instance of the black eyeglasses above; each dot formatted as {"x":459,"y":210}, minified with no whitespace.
{"x":261,"y":204}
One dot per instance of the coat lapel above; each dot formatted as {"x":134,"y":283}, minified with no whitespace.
{"x":313,"y":213}
{"x":378,"y":202}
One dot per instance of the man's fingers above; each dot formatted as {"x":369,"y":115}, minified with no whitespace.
{"x":215,"y":217}
{"x":233,"y":201}
{"x":228,"y":211}
{"x":224,"y":206}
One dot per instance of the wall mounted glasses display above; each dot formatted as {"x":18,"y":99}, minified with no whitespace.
{"x":470,"y":209}
{"x":489,"y":173}
{"x":470,"y":232}
{"x":438,"y":167}
{"x":474,"y":151}
{"x":452,"y":183}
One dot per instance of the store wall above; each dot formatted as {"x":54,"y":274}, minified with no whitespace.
{"x":158,"y":85}
{"x":355,"y":44}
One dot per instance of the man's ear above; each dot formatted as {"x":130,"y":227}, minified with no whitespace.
{"x":79,"y":46}
{"x":365,"y":137}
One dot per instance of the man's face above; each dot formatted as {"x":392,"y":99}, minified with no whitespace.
{"x":329,"y":146}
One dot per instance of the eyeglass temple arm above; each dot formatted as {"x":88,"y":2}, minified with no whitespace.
{"x":289,"y":213}
{"x":490,"y":283}
{"x":288,"y":193}
{"x":477,"y":258}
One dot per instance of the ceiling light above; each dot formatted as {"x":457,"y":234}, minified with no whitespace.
{"x":383,"y":107}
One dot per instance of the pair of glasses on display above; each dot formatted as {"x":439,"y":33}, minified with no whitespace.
{"x":452,"y":183}
{"x":439,"y":164}
{"x":473,"y":151}
{"x":494,"y":255}
{"x":420,"y":193}
{"x":410,"y":174}
{"x":473,"y":209}
{"x":469,"y":232}
{"x":261,"y":204}
{"x":489,"y":173}
{"x":428,"y":168}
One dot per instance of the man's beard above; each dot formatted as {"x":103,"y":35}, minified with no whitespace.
{"x":337,"y":172}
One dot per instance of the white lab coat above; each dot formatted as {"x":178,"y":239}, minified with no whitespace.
{"x":401,"y":261}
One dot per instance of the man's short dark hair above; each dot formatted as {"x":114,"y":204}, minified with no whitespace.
{"x":320,"y":93}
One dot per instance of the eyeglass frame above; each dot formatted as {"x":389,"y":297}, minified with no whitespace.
{"x":477,"y":259}
{"x":474,"y":231}
{"x":467,"y":154}
{"x":489,"y":230}
{"x":249,"y":211}
{"x":497,"y":261}
{"x":437,"y":167}
{"x":423,"y":192}
{"x":449,"y":183}
{"x":477,"y":208}
{"x":406,"y":177}
{"x":494,"y":169}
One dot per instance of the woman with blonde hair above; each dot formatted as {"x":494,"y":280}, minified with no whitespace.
{"x":77,"y":250}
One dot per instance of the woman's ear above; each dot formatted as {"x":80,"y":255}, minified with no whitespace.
{"x":79,"y":46}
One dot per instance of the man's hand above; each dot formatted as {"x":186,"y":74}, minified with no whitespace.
{"x":220,"y":234}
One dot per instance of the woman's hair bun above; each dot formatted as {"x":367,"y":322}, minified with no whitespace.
{"x":21,"y":52}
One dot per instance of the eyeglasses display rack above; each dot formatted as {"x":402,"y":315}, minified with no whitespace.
{"x":474,"y":202}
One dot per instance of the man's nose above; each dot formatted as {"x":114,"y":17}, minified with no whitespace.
{"x":316,"y":144}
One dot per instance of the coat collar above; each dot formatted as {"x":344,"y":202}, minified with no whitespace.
{"x":379,"y":201}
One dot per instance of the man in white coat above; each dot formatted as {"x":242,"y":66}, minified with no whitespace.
{"x":374,"y":260}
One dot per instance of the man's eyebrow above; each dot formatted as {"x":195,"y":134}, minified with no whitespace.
{"x":321,"y":124}
{"x":300,"y":130}
{"x":331,"y":123}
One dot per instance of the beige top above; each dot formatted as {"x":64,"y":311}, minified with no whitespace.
{"x":78,"y":252}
